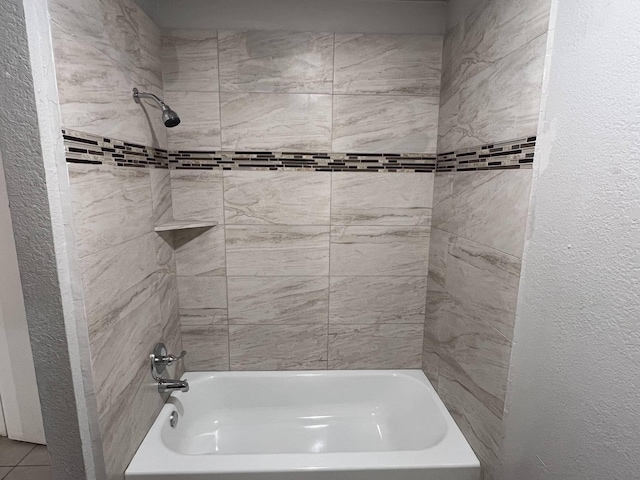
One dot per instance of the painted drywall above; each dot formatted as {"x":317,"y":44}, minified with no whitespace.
{"x":573,"y":403}
{"x":18,"y":387}
{"x":352,"y":16}
{"x":32,"y":152}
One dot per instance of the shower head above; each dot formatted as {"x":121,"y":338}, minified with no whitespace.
{"x":169,"y":117}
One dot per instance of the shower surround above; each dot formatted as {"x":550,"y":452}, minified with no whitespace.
{"x":316,"y":155}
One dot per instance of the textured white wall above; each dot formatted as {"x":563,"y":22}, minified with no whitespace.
{"x":351,"y":16}
{"x":574,"y":399}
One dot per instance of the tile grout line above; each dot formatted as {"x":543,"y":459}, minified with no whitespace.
{"x":329,"y":257}
{"x":220,"y":88}
{"x":226,"y":269}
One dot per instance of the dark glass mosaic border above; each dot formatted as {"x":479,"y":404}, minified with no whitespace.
{"x":509,"y":155}
{"x":85,"y":148}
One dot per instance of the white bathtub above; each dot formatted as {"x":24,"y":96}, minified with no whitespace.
{"x":342,"y":425}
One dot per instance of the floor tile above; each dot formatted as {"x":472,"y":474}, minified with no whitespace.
{"x":4,"y":471}
{"x":30,"y":473}
{"x":12,"y":452}
{"x":37,"y":456}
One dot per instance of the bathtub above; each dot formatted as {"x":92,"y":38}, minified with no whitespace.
{"x":320,"y":425}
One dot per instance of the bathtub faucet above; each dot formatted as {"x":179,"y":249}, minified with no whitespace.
{"x":160,"y":360}
{"x":168,"y":386}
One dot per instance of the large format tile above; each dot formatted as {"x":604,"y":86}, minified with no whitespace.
{"x":285,"y":198}
{"x":278,"y":347}
{"x":199,"y":127}
{"x":278,"y":300}
{"x":124,"y":426}
{"x":13,"y":452}
{"x":207,"y":347}
{"x":202,"y":292}
{"x":190,"y":61}
{"x":110,"y":205}
{"x":268,"y":250}
{"x":197,"y":195}
{"x":259,"y":121}
{"x":382,"y":124}
{"x":30,"y":473}
{"x":487,"y":207}
{"x":439,"y":244}
{"x":98,"y":61}
{"x":161,"y":195}
{"x":276,"y":61}
{"x":200,"y":251}
{"x":121,"y":351}
{"x":388,"y":64}
{"x":481,"y":427}
{"x":362,"y":300}
{"x":381,"y":199}
{"x":375,"y":346}
{"x":118,"y":279}
{"x":38,"y":456}
{"x":485,"y":281}
{"x":463,"y":340}
{"x":386,"y":251}
{"x":501,"y":102}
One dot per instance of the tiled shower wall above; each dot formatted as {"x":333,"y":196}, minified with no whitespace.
{"x":492,"y":73}
{"x":322,"y":92}
{"x":491,"y":89}
{"x":128,"y":286}
{"x":307,"y":270}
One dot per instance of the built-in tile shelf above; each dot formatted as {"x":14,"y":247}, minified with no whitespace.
{"x":183,"y":225}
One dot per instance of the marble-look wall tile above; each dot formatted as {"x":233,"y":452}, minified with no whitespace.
{"x":278,"y":347}
{"x":202,"y":292}
{"x":485,"y":281}
{"x":381,"y":199}
{"x":503,"y":101}
{"x":283,"y":198}
{"x":363,"y":300}
{"x":118,"y":279}
{"x":162,"y":202}
{"x":200,"y":251}
{"x":487,"y":207}
{"x":273,"y":61}
{"x":481,"y":428}
{"x":259,"y":121}
{"x":278,"y":300}
{"x":102,"y":50}
{"x":375,"y":346}
{"x":207,"y":347}
{"x":197,"y":195}
{"x":498,"y":46}
{"x":461,"y":339}
{"x":388,"y":64}
{"x":190,"y":60}
{"x":110,"y":205}
{"x":268,"y":250}
{"x":379,"y":124}
{"x":199,"y":128}
{"x":149,"y":59}
{"x":387,"y":251}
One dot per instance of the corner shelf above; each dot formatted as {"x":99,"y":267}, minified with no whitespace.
{"x":183,"y":225}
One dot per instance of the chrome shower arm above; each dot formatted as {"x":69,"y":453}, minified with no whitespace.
{"x":138,"y":95}
{"x":169,"y":117}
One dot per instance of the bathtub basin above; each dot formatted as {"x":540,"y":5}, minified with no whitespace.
{"x":320,"y":425}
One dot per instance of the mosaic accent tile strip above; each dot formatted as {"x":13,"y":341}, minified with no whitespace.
{"x":83,"y":148}
{"x":513,"y":154}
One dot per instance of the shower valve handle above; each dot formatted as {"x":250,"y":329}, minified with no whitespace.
{"x":170,"y":359}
